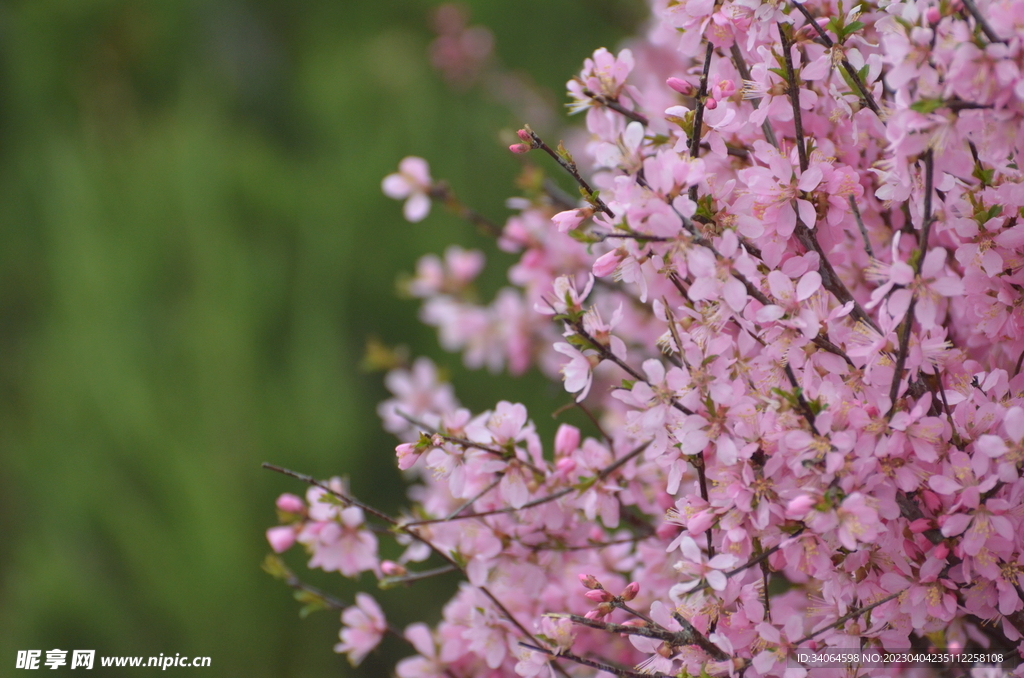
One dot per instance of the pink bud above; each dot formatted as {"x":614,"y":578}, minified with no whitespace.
{"x":931,"y":500}
{"x":565,"y":465}
{"x":407,"y":453}
{"x":392,"y":569}
{"x":920,"y":525}
{"x":590,"y":581}
{"x":799,"y":507}
{"x":680,"y":86}
{"x":567,"y":439}
{"x":607,"y":263}
{"x":281,"y":538}
{"x":940,"y":551}
{"x":599,"y":595}
{"x":289,"y":503}
{"x":711,"y":103}
{"x":519,"y":148}
{"x":629,"y":593}
{"x":931,"y":15}
{"x":525,"y":136}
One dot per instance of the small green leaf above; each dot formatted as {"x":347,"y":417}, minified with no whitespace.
{"x":926,"y":105}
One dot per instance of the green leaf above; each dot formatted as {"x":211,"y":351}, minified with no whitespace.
{"x":926,"y":105}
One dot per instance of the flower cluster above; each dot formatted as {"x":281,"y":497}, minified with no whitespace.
{"x":792,"y":302}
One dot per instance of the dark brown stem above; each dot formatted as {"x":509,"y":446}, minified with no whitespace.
{"x":865,"y":94}
{"x":602,"y":474}
{"x":980,"y":20}
{"x":922,"y":250}
{"x":794,"y":97}
{"x":847,"y":617}
{"x":698,"y":116}
{"x":570,"y":167}
{"x":617,"y":107}
{"x":601,"y":666}
{"x":741,"y":66}
{"x":860,"y":225}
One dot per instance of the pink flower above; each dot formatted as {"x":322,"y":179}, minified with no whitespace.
{"x":281,"y":538}
{"x":412,"y":183}
{"x":364,"y":627}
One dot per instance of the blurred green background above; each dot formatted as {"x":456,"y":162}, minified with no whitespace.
{"x":193,"y":251}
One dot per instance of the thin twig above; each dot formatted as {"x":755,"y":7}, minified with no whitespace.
{"x":604,"y":473}
{"x":617,"y":107}
{"x":626,"y":673}
{"x":794,"y":97}
{"x":698,"y":116}
{"x":847,"y":617}
{"x":980,"y":20}
{"x":741,"y":66}
{"x":570,"y":167}
{"x":408,"y":529}
{"x":908,"y":320}
{"x":860,"y":225}
{"x":865,"y":93}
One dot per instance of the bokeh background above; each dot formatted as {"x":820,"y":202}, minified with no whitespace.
{"x":194,"y":251}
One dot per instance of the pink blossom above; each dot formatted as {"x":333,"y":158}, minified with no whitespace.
{"x":411,"y":183}
{"x":363,"y":629}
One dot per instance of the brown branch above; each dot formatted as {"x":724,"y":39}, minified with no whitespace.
{"x":980,"y":20}
{"x":698,"y":116}
{"x":794,"y":97}
{"x":627,"y":673}
{"x":617,"y":107}
{"x":741,"y":66}
{"x":865,"y":93}
{"x":922,"y":250}
{"x":569,"y":166}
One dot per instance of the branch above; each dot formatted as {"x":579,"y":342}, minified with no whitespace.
{"x":617,"y":107}
{"x":604,"y":473}
{"x":614,"y":670}
{"x":980,"y":20}
{"x":408,"y":529}
{"x":865,"y":93}
{"x":698,"y":116}
{"x":794,"y":97}
{"x":741,"y":66}
{"x":443,"y":192}
{"x":908,"y":320}
{"x":569,"y":166}
{"x":847,"y":617}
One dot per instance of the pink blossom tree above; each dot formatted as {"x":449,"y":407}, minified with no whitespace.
{"x":790,"y":301}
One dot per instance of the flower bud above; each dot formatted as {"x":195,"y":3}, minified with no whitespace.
{"x":680,"y":86}
{"x":525,"y":136}
{"x":940,"y":551}
{"x":565,"y":465}
{"x":711,"y":103}
{"x":289,"y":503}
{"x":281,"y":538}
{"x":799,"y":507}
{"x":599,"y":596}
{"x":519,"y":148}
{"x":407,"y":453}
{"x":590,"y":581}
{"x":931,"y":500}
{"x":567,"y":439}
{"x":920,"y":525}
{"x":629,"y":593}
{"x":932,"y":15}
{"x":392,"y":569}
{"x":607,"y":263}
